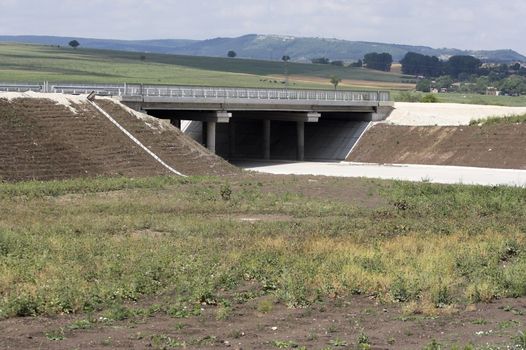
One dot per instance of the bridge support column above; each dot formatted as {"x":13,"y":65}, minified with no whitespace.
{"x":231,"y":139}
{"x":300,"y":127}
{"x":211,"y":136}
{"x":176,"y":123}
{"x":266,"y":139}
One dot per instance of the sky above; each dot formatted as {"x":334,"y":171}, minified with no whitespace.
{"x":463,"y":24}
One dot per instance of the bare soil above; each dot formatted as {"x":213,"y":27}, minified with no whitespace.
{"x":43,"y":140}
{"x":335,"y":323}
{"x":493,"y":146}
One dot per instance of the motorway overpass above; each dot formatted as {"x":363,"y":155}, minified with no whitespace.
{"x":264,"y":123}
{"x":250,"y":122}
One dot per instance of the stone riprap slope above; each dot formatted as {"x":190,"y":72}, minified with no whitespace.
{"x":490,"y":146}
{"x":57,"y":136}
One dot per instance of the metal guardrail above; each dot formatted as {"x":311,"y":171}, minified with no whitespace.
{"x":191,"y":92}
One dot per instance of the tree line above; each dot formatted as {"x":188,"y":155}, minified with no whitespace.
{"x":464,"y":74}
{"x":430,"y":66}
{"x":372,"y":60}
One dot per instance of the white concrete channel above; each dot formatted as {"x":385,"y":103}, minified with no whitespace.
{"x":405,"y":172}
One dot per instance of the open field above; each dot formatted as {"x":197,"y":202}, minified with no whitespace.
{"x":211,"y":262}
{"x":38,"y":63}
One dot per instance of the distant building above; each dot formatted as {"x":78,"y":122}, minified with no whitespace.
{"x":492,"y":91}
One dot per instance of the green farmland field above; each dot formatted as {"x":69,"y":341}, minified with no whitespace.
{"x":30,"y":63}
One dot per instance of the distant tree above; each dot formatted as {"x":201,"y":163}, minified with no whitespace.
{"x":424,"y":85}
{"x":143,"y":58}
{"x":444,"y":82}
{"x":321,"y":60}
{"x":417,"y":64}
{"x":74,"y":44}
{"x":458,"y":65}
{"x":337,"y":63}
{"x":514,"y":85}
{"x":335,"y":81}
{"x":515,"y":67}
{"x":286,"y":59}
{"x":232,"y":54}
{"x":378,"y":61}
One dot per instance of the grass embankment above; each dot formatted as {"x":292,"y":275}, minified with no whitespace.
{"x":475,"y":99}
{"x":513,"y":119}
{"x":84,"y":245}
{"x":30,"y":63}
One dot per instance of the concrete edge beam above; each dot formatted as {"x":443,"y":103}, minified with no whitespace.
{"x":308,"y":117}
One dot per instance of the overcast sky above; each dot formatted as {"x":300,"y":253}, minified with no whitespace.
{"x":465,"y":24}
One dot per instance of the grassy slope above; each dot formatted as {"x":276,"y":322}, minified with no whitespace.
{"x":37,"y":63}
{"x":475,"y":99}
{"x":66,"y":248}
{"x":511,"y":101}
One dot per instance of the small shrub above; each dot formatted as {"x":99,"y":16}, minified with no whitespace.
{"x":224,"y":311}
{"x":118,"y":313}
{"x":226,"y":192}
{"x":429,"y":98}
{"x":520,"y":340}
{"x":80,"y":324}
{"x":363,"y":338}
{"x":281,"y":344}
{"x":407,"y":96}
{"x":399,"y":290}
{"x":265,"y":305}
{"x":338,"y":342}
{"x":56,"y":335}
{"x":434,"y":345}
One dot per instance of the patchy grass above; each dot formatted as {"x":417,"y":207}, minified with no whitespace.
{"x":475,"y":99}
{"x":513,"y":119}
{"x":67,"y":247}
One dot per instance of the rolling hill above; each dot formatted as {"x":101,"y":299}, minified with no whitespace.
{"x":270,"y":47}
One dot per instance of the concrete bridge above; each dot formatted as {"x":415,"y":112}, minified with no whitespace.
{"x":237,"y":122}
{"x":250,"y":122}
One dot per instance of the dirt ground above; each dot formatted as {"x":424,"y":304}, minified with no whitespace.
{"x":333,"y":324}
{"x":492,"y":146}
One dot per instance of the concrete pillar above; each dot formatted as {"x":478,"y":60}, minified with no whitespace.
{"x":266,"y":139}
{"x":300,"y":127}
{"x":211,"y":136}
{"x":204,"y":134}
{"x":231,"y":139}
{"x":176,"y":123}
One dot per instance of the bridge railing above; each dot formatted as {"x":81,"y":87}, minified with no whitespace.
{"x":191,"y":92}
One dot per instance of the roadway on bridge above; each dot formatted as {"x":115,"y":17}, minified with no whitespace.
{"x":407,"y":172}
